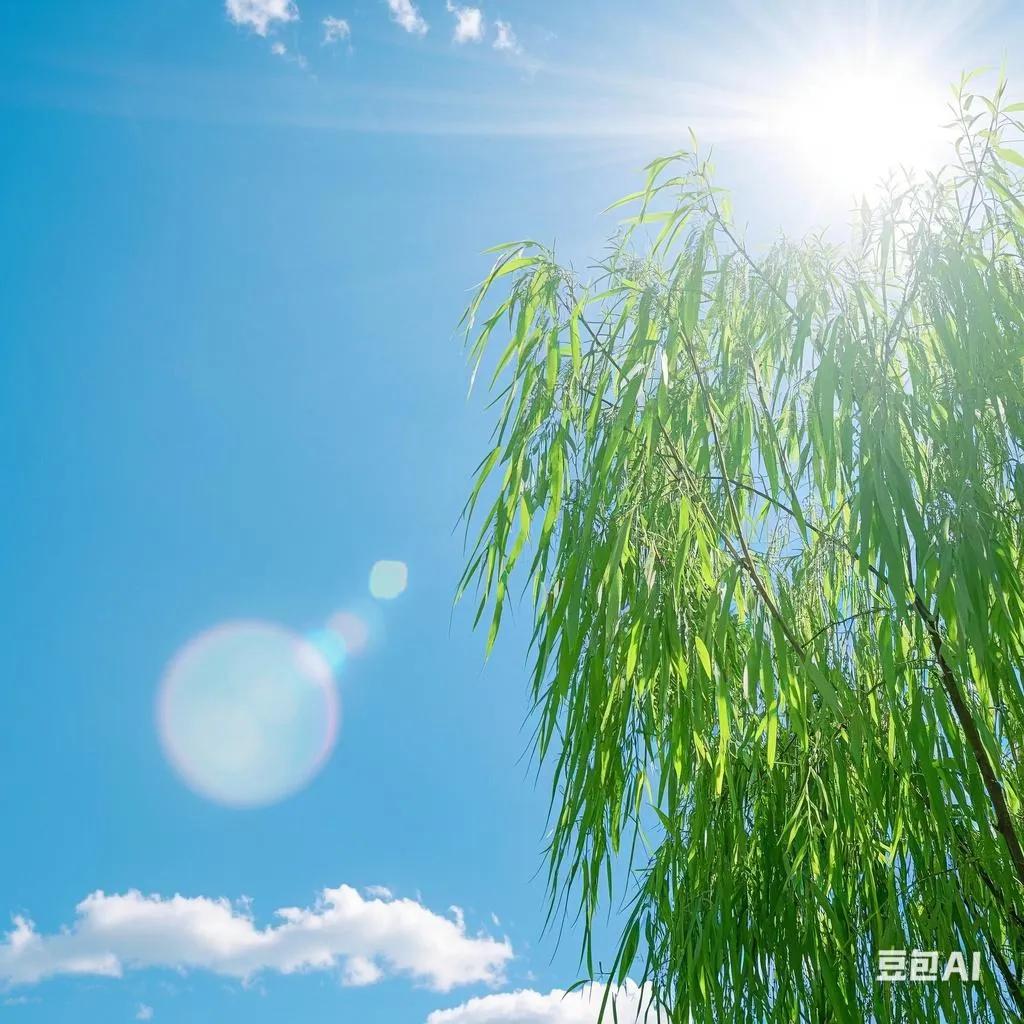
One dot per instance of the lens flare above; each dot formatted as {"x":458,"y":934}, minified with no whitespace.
{"x":248,"y":713}
{"x":388,"y":579}
{"x":353,"y":631}
{"x":331,"y":647}
{"x":345,"y":636}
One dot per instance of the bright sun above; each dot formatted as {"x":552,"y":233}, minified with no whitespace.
{"x":851,"y":124}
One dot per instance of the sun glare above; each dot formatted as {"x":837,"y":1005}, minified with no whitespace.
{"x":852,"y":124}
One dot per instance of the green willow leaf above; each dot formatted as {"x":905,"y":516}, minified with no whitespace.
{"x":769,"y":510}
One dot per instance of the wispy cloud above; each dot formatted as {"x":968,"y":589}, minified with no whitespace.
{"x":144,"y":1012}
{"x":261,"y":15}
{"x":406,"y":14}
{"x":469,"y":23}
{"x":336,"y":29}
{"x":505,"y":39}
{"x":368,"y":939}
{"x":581,"y":1006}
{"x":278,"y":49}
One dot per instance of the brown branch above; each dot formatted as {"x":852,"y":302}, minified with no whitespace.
{"x":994,"y":788}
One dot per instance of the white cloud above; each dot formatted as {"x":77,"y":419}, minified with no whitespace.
{"x":407,"y":14}
{"x":336,"y":29}
{"x":505,"y":38}
{"x":359,"y":971}
{"x":581,"y":1006}
{"x":366,"y":938}
{"x":380,"y":892}
{"x":469,"y":23}
{"x":144,"y":1012}
{"x":278,"y":49}
{"x":260,"y":15}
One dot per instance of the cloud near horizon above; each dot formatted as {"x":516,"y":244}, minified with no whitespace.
{"x":365,"y":939}
{"x":581,"y":1006}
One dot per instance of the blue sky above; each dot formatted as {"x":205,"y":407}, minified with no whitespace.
{"x":235,"y":255}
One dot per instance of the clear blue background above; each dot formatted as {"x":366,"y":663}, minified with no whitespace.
{"x":229,"y":382}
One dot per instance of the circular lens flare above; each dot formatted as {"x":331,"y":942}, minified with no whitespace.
{"x":248,"y":713}
{"x":388,"y":579}
{"x":331,"y":647}
{"x":352,"y":631}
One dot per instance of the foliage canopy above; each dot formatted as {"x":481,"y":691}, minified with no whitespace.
{"x":769,"y":508}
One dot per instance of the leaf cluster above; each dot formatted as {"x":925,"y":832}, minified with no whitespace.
{"x":768,"y":507}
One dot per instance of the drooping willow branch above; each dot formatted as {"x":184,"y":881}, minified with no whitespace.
{"x":769,"y":510}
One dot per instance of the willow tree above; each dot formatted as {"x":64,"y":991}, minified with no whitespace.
{"x":769,"y":509}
